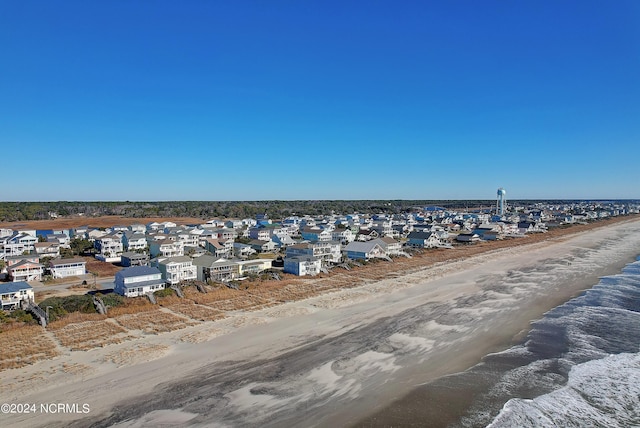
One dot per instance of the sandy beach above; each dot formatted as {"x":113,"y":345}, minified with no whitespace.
{"x":332,"y":360}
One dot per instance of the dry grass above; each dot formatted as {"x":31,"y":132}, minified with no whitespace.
{"x":227,"y":299}
{"x":200,"y":336}
{"x":153,"y":322}
{"x":136,"y":354}
{"x":243,"y":302}
{"x":197,"y":312}
{"x":132,"y":306}
{"x":101,"y":268}
{"x":101,"y":221}
{"x":25,"y":345}
{"x":214,"y":294}
{"x":74,"y":318}
{"x":90,"y":334}
{"x":75,"y":368}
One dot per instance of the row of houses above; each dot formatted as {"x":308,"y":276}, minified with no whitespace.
{"x":210,"y":251}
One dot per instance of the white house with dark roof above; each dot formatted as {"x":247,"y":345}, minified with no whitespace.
{"x":12,"y":294}
{"x":63,"y":268}
{"x":177,"y":269}
{"x":138,"y":280}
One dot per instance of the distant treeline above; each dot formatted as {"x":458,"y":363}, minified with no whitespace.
{"x":20,"y":211}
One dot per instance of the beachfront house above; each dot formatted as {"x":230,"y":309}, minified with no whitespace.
{"x":253,"y":267}
{"x":467,"y":237}
{"x":302,"y":265}
{"x":138,"y":280}
{"x":357,"y":250}
{"x":12,"y":294}
{"x":177,"y":269}
{"x":216,"y":269}
{"x":421,"y":239}
{"x":326,"y":251}
{"x":488,"y":232}
{"x":390,"y":246}
{"x":63,"y":268}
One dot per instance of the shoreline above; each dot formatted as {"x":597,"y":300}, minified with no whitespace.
{"x":271,"y":333}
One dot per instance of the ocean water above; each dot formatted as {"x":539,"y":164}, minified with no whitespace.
{"x":579,"y":365}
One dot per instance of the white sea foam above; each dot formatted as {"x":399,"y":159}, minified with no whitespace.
{"x":603,"y":389}
{"x":604,"y":392}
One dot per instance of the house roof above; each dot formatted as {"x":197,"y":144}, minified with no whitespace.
{"x":205,"y":260}
{"x":419,"y":235}
{"x":12,"y":287}
{"x":132,"y":255}
{"x":361,"y":247}
{"x":388,"y":240}
{"x":24,"y":264}
{"x":215,"y":243}
{"x":66,"y":261}
{"x":144,"y":283}
{"x":176,"y":259}
{"x":134,"y":271}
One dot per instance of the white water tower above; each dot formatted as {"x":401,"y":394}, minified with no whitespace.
{"x":502,"y":199}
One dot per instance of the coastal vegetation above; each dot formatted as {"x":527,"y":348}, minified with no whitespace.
{"x":25,"y":211}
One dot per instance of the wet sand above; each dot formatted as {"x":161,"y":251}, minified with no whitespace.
{"x":333,"y":360}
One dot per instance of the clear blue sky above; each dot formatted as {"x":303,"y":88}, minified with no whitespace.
{"x":254,"y":100}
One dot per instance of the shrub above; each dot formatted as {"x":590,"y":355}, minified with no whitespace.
{"x":64,"y":305}
{"x":112,"y":299}
{"x":164,"y":293}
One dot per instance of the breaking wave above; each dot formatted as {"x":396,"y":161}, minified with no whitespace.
{"x":580,"y":364}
